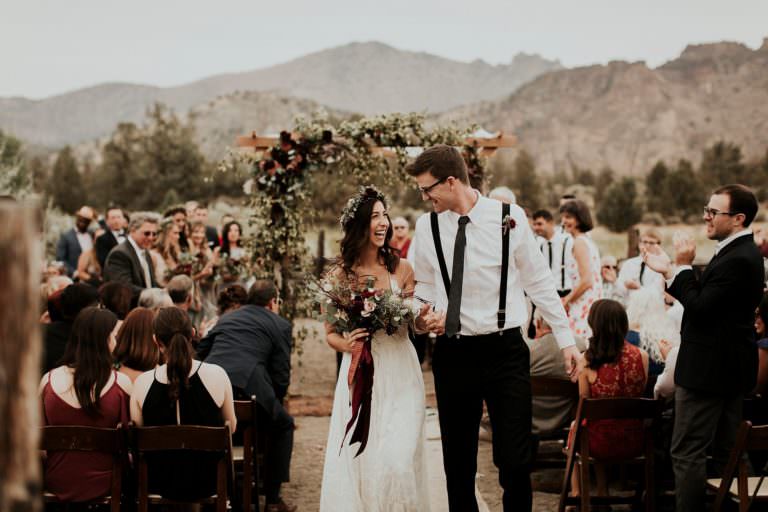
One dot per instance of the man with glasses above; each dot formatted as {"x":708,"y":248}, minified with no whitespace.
{"x":608,"y":270}
{"x":717,"y":360}
{"x":129,"y":262}
{"x":635,"y":274}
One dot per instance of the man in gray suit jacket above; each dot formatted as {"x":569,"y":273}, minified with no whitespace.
{"x":130,"y":262}
{"x":253,"y":345}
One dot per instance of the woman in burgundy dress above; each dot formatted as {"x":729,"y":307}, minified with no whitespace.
{"x":612,"y":368}
{"x":86,"y":391}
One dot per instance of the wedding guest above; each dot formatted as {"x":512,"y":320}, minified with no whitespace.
{"x":231,"y":298}
{"x":166,"y":251}
{"x":180,"y":289}
{"x":74,"y":298}
{"x":612,"y":367}
{"x":608,"y":270}
{"x":84,"y":391}
{"x":114,"y":234}
{"x":556,"y":247}
{"x":253,"y":344}
{"x":200,"y":214}
{"x":116,"y":297}
{"x":582,"y":265}
{"x":665,"y":383}
{"x":550,"y":414}
{"x":761,"y":321}
{"x":649,"y":324}
{"x":225,"y":219}
{"x":503,"y":194}
{"x":231,"y":243}
{"x":53,"y":285}
{"x":400,"y":239}
{"x":88,"y":266}
{"x":178,"y":214}
{"x":155,"y":298}
{"x":205,"y":285}
{"x":183,"y":391}
{"x":635,"y":274}
{"x":75,"y":241}
{"x":136,"y":352}
{"x":129,"y":262}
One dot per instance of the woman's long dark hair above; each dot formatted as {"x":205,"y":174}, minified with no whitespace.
{"x":225,"y":236}
{"x":173,"y":330}
{"x":608,"y":321}
{"x":357,"y":234}
{"x":135,"y":348}
{"x":91,"y":357}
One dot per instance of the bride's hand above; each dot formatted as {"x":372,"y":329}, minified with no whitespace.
{"x":422,"y":318}
{"x":350,"y":338}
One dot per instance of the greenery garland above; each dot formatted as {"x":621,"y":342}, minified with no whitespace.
{"x":281,"y":183}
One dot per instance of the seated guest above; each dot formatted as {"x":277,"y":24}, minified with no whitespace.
{"x":50,"y":293}
{"x":231,"y":298}
{"x":74,"y":298}
{"x":611,"y":288}
{"x":612,"y":368}
{"x":182,"y":391}
{"x":85,"y":391}
{"x":155,"y":298}
{"x":550,"y":414}
{"x":116,"y":297}
{"x":665,"y":383}
{"x":136,"y":352}
{"x":761,"y":321}
{"x":180,"y":290}
{"x":253,"y":344}
{"x":649,"y":324}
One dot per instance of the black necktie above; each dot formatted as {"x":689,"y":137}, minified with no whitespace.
{"x":452,"y":324}
{"x":549,"y":243}
{"x":642,"y":271}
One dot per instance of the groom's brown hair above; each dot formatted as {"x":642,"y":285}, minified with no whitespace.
{"x":441,"y":161}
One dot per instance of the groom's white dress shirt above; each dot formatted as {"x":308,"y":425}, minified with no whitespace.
{"x":528,"y":270}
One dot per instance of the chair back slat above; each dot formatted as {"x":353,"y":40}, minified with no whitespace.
{"x":550,"y":386}
{"x":182,"y":437}
{"x":244,"y":411}
{"x":82,"y":438}
{"x":619,"y":408}
{"x":758,"y":438}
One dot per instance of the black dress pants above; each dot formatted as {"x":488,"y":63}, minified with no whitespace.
{"x":494,"y":368}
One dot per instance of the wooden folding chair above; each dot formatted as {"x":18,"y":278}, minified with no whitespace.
{"x":89,"y":439}
{"x":555,"y":388}
{"x":245,"y":456}
{"x":592,"y":409}
{"x":178,"y":438}
{"x":745,"y":490}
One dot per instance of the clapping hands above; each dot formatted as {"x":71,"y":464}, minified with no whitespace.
{"x":430,"y":321}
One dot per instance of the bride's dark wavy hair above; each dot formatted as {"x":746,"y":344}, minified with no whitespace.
{"x":357,"y":234}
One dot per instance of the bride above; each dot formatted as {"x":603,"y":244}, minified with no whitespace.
{"x":390,"y":474}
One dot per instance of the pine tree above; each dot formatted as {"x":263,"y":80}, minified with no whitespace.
{"x":66,"y":185}
{"x":685,"y":191}
{"x":604,"y":180}
{"x":721,"y":164}
{"x":656,"y":189}
{"x":619,"y":209}
{"x":525,"y":183}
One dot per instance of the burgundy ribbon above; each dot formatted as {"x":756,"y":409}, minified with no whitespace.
{"x":360,"y":380}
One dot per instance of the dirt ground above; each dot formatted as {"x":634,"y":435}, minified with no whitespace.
{"x":311,"y":396}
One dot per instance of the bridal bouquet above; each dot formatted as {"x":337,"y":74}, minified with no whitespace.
{"x":347,"y":307}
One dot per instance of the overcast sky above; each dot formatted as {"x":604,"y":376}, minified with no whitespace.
{"x":49,"y":47}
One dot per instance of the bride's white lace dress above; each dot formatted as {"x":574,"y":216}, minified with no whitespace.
{"x":390,"y":475}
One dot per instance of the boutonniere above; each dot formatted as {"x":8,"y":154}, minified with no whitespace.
{"x":507,"y":223}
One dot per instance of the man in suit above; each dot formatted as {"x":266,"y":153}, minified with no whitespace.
{"x":114,"y":233}
{"x":253,"y":345}
{"x":717,"y":360}
{"x":130,"y":262}
{"x":75,"y":241}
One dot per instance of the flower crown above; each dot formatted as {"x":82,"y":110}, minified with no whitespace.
{"x":354,"y":202}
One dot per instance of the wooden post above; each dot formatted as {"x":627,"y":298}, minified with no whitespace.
{"x":633,"y":242}
{"x":320,"y":260}
{"x":21,"y":257}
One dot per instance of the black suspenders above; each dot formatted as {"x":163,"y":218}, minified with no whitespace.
{"x":501,"y":317}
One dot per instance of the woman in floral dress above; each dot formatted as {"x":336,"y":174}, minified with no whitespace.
{"x":582,"y":265}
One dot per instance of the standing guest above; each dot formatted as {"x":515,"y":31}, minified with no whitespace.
{"x":75,"y":241}
{"x":649,"y":326}
{"x":608,"y":271}
{"x":253,"y":344}
{"x":480,"y":354}
{"x":136,"y":352}
{"x":717,"y":361}
{"x":550,"y":414}
{"x":503,"y":194}
{"x":154,"y":299}
{"x":231,"y":242}
{"x":130,"y":262}
{"x":113,"y":235}
{"x":635,"y":273}
{"x":612,"y":368}
{"x":167,"y":250}
{"x":183,"y":391}
{"x":556,"y":247}
{"x":200,"y":214}
{"x":400,"y":240}
{"x":88,"y":267}
{"x":178,"y":214}
{"x":84,"y":391}
{"x":225,"y":219}
{"x":583,"y":267}
{"x":74,"y":298}
{"x":761,"y":321}
{"x":205,"y":286}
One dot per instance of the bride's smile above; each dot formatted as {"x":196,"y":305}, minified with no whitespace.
{"x":380,"y":225}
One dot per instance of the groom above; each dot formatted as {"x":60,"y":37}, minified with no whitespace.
{"x":463,"y":268}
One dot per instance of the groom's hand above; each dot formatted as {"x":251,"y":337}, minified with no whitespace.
{"x":421,"y":319}
{"x":572,"y":358}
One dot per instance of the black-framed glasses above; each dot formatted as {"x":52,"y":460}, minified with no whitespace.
{"x":427,"y":190}
{"x":713,"y":212}
{"x":149,"y":233}
{"x":612,"y":267}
